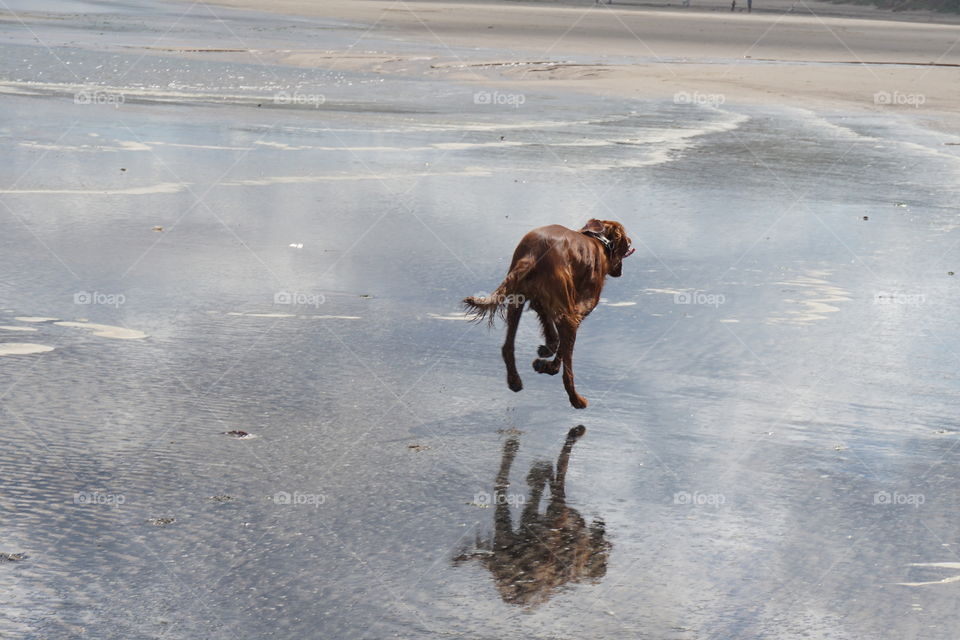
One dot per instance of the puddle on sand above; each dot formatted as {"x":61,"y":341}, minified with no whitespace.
{"x":548,"y":550}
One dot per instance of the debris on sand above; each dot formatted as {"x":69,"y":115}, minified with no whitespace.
{"x":12,"y":557}
{"x":221,"y":498}
{"x":237,"y":433}
{"x":900,"y":204}
{"x":161,"y":522}
{"x":418,"y":447}
{"x":949,"y":273}
{"x":158,"y":228}
{"x":866,"y":217}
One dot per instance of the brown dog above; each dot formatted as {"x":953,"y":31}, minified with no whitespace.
{"x":561,"y":273}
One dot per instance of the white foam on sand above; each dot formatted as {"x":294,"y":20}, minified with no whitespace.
{"x":943,"y":565}
{"x":197,"y":146}
{"x":619,"y":304}
{"x":163,"y":187}
{"x":474,"y":126}
{"x":262,"y":315}
{"x":290,"y":315}
{"x":106,"y":330}
{"x":13,"y":328}
{"x":270,"y":180}
{"x":22,"y":348}
{"x":35,"y":319}
{"x":449,"y":316}
{"x":662,"y":144}
{"x":669,"y":292}
{"x":819,"y":298}
{"x":122,"y":145}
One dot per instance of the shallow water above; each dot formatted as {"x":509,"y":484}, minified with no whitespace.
{"x":768,"y":449}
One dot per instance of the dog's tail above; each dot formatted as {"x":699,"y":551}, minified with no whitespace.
{"x":508,"y":293}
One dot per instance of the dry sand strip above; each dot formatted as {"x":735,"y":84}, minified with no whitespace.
{"x":798,"y":56}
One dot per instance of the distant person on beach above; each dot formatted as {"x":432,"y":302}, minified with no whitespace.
{"x":749,"y":6}
{"x":733,"y":5}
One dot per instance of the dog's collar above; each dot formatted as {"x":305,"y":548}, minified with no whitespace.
{"x":604,"y":240}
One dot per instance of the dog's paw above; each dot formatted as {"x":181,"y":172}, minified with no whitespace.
{"x":515,"y":383}
{"x":545,"y":366}
{"x":546,"y":352}
{"x":578,"y":402}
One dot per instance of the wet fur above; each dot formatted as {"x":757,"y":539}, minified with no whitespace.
{"x":560,"y":273}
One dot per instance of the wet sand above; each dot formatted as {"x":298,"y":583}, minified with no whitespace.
{"x":258,"y":411}
{"x":793,"y":53}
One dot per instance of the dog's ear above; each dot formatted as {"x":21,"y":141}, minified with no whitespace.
{"x":621,"y":242}
{"x":594,"y":225}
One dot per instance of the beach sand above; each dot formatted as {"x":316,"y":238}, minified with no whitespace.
{"x":792,"y":53}
{"x":239,"y":398}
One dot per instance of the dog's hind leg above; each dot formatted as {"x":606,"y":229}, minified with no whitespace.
{"x":513,"y":319}
{"x":568,"y":338}
{"x":551,"y":338}
{"x":543,"y":364}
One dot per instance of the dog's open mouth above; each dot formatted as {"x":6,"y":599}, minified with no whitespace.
{"x":629,"y":252}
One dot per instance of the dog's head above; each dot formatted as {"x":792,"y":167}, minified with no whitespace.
{"x":619,"y":240}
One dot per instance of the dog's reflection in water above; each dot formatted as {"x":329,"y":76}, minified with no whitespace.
{"x":547,"y":550}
